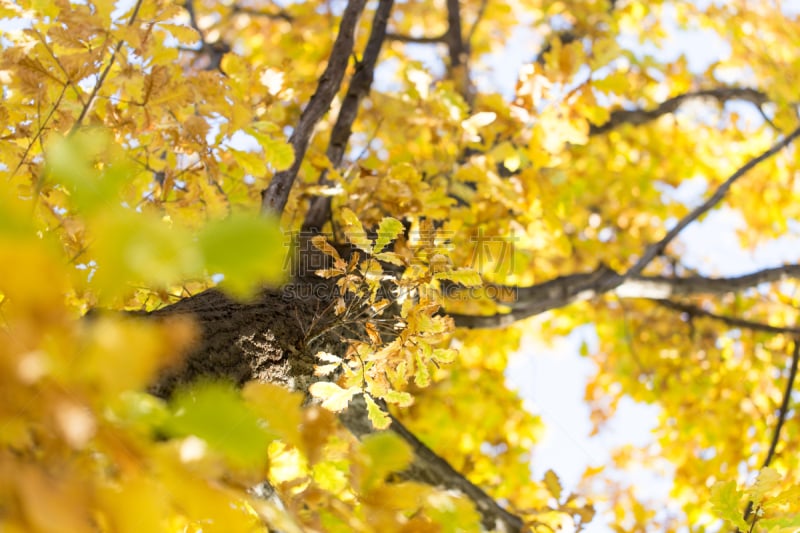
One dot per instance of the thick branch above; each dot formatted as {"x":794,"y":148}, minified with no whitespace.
{"x":662,"y":287}
{"x":319,"y":210}
{"x":564,"y":290}
{"x":274,"y":197}
{"x":458,"y":50}
{"x":638,"y":117}
{"x":454,"y":37}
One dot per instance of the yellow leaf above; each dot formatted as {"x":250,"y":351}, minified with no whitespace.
{"x":379,"y":418}
{"x":252,"y":163}
{"x":768,"y":479}
{"x":279,"y":407}
{"x":400,"y":398}
{"x":355,"y":231}
{"x":184,"y":34}
{"x":463,"y":276}
{"x":334,"y":398}
{"x":553,"y":484}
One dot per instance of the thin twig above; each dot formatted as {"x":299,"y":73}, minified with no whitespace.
{"x":783,"y":411}
{"x":52,"y":54}
{"x":784,"y":408}
{"x":695,"y":311}
{"x":104,"y":74}
{"x":38,"y":134}
{"x":478,"y":18}
{"x":656,"y":249}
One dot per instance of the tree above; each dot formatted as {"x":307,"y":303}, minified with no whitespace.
{"x":171,"y":363}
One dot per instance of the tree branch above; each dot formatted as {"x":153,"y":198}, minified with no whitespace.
{"x":564,"y":290}
{"x":416,"y":40}
{"x":214,"y":51}
{"x":658,"y":248}
{"x":784,"y":408}
{"x":695,"y":311}
{"x":458,"y":50}
{"x":637,"y":117}
{"x":101,"y":80}
{"x":360,"y":84}
{"x":274,"y":197}
{"x":281,"y":14}
{"x":566,"y":37}
{"x":427,"y":467}
{"x":783,"y":411}
{"x":478,"y":18}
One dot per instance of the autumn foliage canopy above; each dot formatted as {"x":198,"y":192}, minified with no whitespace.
{"x":477,"y":175}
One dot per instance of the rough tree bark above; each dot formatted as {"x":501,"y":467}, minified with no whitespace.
{"x":274,"y":339}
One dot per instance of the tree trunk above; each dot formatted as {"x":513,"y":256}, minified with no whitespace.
{"x":274,"y":339}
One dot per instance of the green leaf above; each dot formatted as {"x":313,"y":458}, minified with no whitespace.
{"x":781,"y":524}
{"x":140,"y":410}
{"x":277,"y":153}
{"x":90,"y":166}
{"x":391,"y":257}
{"x":725,"y":499}
{"x":444,"y":355}
{"x":387,"y":452}
{"x":137,"y":248}
{"x":249,"y":250}
{"x":215,"y":412}
{"x":388,"y":230}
